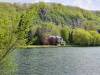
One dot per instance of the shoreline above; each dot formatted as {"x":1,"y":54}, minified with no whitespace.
{"x":51,"y":46}
{"x":38,"y":46}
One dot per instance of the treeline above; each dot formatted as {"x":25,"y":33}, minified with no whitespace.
{"x":29,"y":24}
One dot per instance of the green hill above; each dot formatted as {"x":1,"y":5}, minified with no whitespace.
{"x":62,"y":15}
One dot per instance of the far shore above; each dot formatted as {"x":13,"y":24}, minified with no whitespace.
{"x":43,"y":46}
{"x":52,"y":46}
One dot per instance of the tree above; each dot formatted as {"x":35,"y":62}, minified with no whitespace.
{"x":65,"y":33}
{"x":81,"y":37}
{"x":95,"y":38}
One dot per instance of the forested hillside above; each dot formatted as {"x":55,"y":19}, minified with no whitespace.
{"x":30,"y":24}
{"x":42,"y":20}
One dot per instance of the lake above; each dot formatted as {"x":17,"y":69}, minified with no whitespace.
{"x":52,"y":61}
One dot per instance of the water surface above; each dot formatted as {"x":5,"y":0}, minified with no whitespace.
{"x":53,"y":61}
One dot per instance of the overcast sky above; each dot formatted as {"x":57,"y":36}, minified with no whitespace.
{"x":86,"y":4}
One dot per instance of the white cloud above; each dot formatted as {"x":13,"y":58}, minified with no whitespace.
{"x":87,"y":4}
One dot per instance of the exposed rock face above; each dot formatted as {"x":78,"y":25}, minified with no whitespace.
{"x":43,"y":13}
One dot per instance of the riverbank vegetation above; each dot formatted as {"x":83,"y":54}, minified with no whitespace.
{"x":32,"y":24}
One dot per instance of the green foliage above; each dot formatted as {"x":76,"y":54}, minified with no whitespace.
{"x":9,"y":19}
{"x":38,"y":32}
{"x":95,"y":38}
{"x":90,"y":25}
{"x":60,"y":15}
{"x":81,"y":37}
{"x":65,"y":33}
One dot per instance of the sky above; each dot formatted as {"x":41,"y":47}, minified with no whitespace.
{"x":85,"y":4}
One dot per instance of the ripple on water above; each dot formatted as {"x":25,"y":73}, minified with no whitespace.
{"x":54,"y":61}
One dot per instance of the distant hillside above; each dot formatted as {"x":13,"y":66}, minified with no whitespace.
{"x":62,"y":15}
{"x":51,"y":12}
